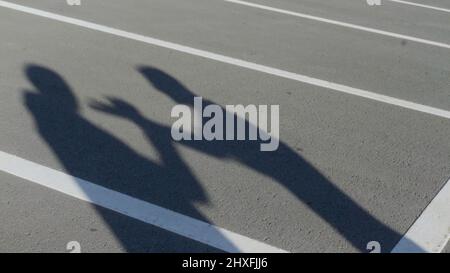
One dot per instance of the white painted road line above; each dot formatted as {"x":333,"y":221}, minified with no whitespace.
{"x":342,"y":24}
{"x":233,"y":61}
{"x":166,"y":219}
{"x":431,"y":231}
{"x":420,"y":5}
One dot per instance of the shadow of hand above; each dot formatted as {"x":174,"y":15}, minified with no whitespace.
{"x":116,"y":107}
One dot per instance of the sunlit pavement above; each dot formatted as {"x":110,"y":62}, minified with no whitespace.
{"x":85,"y":116}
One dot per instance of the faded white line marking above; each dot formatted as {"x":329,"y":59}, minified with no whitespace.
{"x":342,"y":24}
{"x":166,"y":219}
{"x":431,"y":231}
{"x":420,"y":5}
{"x":233,"y":61}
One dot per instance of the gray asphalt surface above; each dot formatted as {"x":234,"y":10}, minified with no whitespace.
{"x":359,"y":59}
{"x":438,"y":3}
{"x":447,"y":249}
{"x":42,"y":221}
{"x":348,"y":171}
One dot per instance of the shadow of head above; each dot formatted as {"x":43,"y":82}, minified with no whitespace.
{"x":52,"y":88}
{"x":167,"y":84}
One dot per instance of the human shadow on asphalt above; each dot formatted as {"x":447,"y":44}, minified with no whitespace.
{"x":284,"y":166}
{"x":91,"y":153}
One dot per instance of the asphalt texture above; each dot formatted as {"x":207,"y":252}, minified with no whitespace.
{"x":349,"y":170}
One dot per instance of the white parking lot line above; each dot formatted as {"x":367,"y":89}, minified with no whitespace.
{"x":146,"y":212}
{"x":420,"y":5}
{"x":431,"y":231}
{"x":233,"y":61}
{"x":342,"y":24}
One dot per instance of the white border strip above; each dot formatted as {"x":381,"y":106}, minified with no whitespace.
{"x":420,"y":5}
{"x":342,"y":24}
{"x":233,"y":61}
{"x":166,"y":219}
{"x":431,"y":231}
